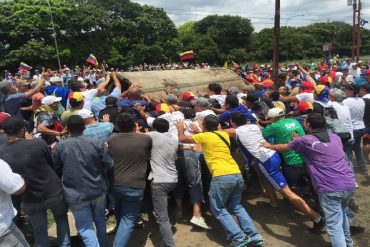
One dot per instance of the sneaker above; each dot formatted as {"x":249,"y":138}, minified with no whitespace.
{"x":317,"y":227}
{"x":256,"y":243}
{"x":139,"y":224}
{"x":245,"y":242}
{"x":200,"y":222}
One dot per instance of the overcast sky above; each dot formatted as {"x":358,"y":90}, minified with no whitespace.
{"x":261,"y":12}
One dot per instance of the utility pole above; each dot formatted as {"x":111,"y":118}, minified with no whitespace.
{"x":276,"y":53}
{"x":356,"y":37}
{"x":54,"y":34}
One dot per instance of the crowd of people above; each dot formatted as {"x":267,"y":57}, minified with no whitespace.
{"x":69,"y":143}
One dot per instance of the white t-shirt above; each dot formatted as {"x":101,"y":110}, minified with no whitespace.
{"x":171,"y":118}
{"x":251,"y":137}
{"x":199,"y":116}
{"x":366,"y":96}
{"x":220,"y":99}
{"x":344,"y":115}
{"x":303,"y":97}
{"x":356,"y":107}
{"x":9,"y":183}
{"x":88,"y":98}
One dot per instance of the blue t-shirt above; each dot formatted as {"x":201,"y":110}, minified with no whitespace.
{"x":98,"y":103}
{"x":12,"y":104}
{"x":226,"y":116}
{"x":101,"y":130}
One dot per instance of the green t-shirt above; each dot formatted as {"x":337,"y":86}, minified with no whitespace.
{"x":66,"y":115}
{"x":282,"y":131}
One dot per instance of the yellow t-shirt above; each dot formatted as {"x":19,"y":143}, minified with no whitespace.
{"x":217,"y":154}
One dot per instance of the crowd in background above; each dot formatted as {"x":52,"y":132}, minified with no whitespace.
{"x":67,"y":142}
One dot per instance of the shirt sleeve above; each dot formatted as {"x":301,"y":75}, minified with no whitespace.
{"x":297,"y":145}
{"x":150,"y":121}
{"x":116,"y":92}
{"x":268,"y":131}
{"x":10,"y":182}
{"x":45,"y":119}
{"x":199,"y":138}
{"x":224,"y":116}
{"x":301,"y":97}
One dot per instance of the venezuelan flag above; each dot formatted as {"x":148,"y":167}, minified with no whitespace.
{"x":186,"y":55}
{"x":92,"y":60}
{"x":24,"y":66}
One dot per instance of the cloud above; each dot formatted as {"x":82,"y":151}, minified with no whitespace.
{"x":261,"y":13}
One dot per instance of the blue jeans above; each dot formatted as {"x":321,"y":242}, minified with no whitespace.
{"x":13,"y":237}
{"x":226,"y":193}
{"x":188,"y":167}
{"x":334,"y":206}
{"x":127,"y":207}
{"x":37,"y":215}
{"x":88,"y":213}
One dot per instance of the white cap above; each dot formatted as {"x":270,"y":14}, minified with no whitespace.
{"x":275,"y":112}
{"x":48,"y":100}
{"x":80,"y":79}
{"x":84,"y":113}
{"x":55,"y":79}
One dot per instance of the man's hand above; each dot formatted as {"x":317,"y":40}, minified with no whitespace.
{"x":64,"y":132}
{"x":106,"y":118}
{"x":139,"y":107}
{"x":180,"y":125}
{"x":265,"y":145}
{"x":295,"y":135}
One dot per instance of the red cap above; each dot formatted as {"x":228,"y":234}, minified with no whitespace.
{"x":307,"y":87}
{"x":267,"y":83}
{"x":187,"y":96}
{"x":303,"y":107}
{"x":324,"y":79}
{"x":367,"y":72}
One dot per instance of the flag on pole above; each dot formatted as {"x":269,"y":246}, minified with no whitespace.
{"x":235,"y":65}
{"x":24,"y":66}
{"x":226,"y":65}
{"x":92,"y":60}
{"x":186,"y":55}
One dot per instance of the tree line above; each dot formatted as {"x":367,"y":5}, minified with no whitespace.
{"x":124,"y":33}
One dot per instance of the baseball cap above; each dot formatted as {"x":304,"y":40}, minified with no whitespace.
{"x":3,"y":116}
{"x":267,"y":83}
{"x":304,"y":107}
{"x":367,"y":72}
{"x":162,"y":108}
{"x":275,"y":112}
{"x":307,"y":87}
{"x":322,"y":93}
{"x":77,"y":96}
{"x":85,"y":113}
{"x":187,"y":96}
{"x":55,"y":79}
{"x":48,"y":100}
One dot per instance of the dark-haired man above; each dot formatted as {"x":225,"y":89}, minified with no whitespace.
{"x":214,"y":92}
{"x":83,"y":162}
{"x":130,"y":166}
{"x":163,"y":175}
{"x":76,"y":102}
{"x":227,"y":182}
{"x":331,"y":176}
{"x":232,"y":105}
{"x":32,"y":159}
{"x":111,"y":109}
